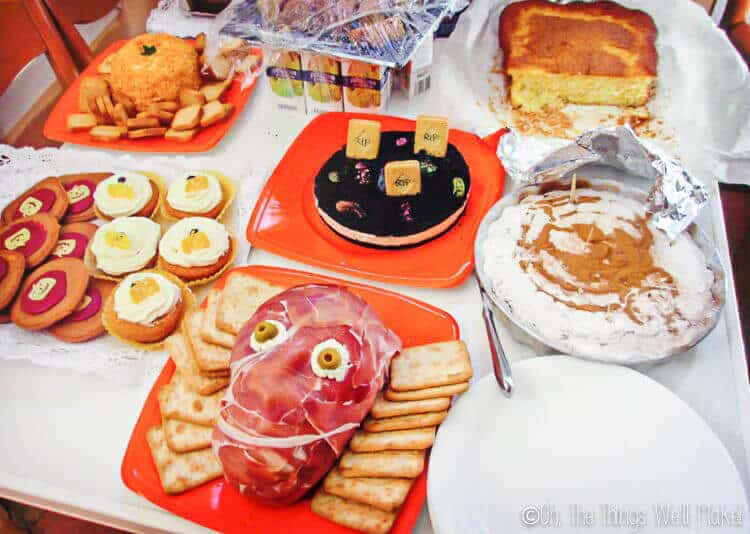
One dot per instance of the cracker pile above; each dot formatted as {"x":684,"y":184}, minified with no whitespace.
{"x":373,"y":478}
{"x":190,"y":403}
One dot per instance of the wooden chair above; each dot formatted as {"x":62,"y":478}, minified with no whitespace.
{"x":29,"y":30}
{"x":66,"y":13}
{"x":35,"y":27}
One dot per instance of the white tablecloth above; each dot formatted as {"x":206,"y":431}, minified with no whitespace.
{"x":89,"y":420}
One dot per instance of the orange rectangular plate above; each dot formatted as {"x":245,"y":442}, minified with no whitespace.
{"x":285,"y":220}
{"x":206,"y":138}
{"x":219,"y":506}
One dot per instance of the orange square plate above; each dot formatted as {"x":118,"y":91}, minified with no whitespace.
{"x":286,"y":222}
{"x":216,"y":504}
{"x":206,"y":138}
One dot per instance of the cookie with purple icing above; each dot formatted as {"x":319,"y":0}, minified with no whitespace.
{"x":47,"y":196}
{"x":73,"y":240}
{"x":12,"y":267}
{"x":50,"y":293}
{"x":85,"y":322}
{"x":35,"y":237}
{"x":80,"y":189}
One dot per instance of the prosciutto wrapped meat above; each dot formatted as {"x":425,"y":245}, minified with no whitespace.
{"x":305,"y":371}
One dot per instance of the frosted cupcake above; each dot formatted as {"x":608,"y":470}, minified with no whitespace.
{"x":124,"y":246}
{"x":126,"y":194}
{"x":196,"y":248}
{"x":196,"y":194}
{"x":145,"y":307}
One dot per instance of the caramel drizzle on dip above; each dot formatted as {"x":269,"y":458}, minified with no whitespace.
{"x":617,"y":263}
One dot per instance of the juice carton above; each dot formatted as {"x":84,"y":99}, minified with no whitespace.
{"x":284,"y":74}
{"x":367,"y":87}
{"x":322,"y":77}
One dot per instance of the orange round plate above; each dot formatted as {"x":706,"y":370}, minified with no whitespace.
{"x":219,"y":506}
{"x":206,"y":138}
{"x":285,"y":220}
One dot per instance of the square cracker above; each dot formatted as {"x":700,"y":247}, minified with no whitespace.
{"x":182,"y":436}
{"x":394,"y":440}
{"x":352,"y":514}
{"x":178,"y":401}
{"x":391,"y":464}
{"x":209,"y":331}
{"x":209,"y":358}
{"x":242,"y":296}
{"x":427,"y":393}
{"x":181,"y":472}
{"x":385,"y":408}
{"x":404,"y":422}
{"x":182,"y":354}
{"x":384,"y":493}
{"x":426,"y":366}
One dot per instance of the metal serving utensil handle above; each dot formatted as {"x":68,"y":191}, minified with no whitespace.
{"x":500,"y":364}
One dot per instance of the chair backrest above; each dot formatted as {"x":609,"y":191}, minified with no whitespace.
{"x":33,"y":27}
{"x":66,"y":13}
{"x":28,"y":30}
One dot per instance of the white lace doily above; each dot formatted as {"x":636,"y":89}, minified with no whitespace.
{"x":106,"y":356}
{"x":170,"y":17}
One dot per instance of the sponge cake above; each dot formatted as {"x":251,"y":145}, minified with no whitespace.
{"x":580,"y":53}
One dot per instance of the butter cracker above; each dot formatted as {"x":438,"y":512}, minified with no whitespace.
{"x":352,"y":514}
{"x":182,"y":355}
{"x":181,"y":472}
{"x":212,"y":360}
{"x":242,"y":296}
{"x":394,"y":440}
{"x":178,"y":401}
{"x":209,"y":331}
{"x":384,"y":493}
{"x":426,"y":366}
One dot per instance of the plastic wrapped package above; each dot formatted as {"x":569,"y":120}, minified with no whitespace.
{"x":385,"y":32}
{"x":305,"y":372}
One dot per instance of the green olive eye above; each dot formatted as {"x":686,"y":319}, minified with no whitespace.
{"x":265,"y":331}
{"x":329,"y":358}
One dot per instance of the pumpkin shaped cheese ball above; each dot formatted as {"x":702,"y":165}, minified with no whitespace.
{"x":154,"y":67}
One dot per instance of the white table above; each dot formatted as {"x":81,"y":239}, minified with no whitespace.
{"x":62,"y":435}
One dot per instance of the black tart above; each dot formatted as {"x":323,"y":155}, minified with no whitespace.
{"x":351,"y":200}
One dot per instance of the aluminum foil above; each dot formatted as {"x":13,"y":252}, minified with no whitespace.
{"x":675,"y":198}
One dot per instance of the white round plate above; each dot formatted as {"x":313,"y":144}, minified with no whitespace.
{"x":580,"y":447}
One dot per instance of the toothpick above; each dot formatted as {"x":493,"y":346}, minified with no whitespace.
{"x":591,"y":231}
{"x":573,"y":189}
